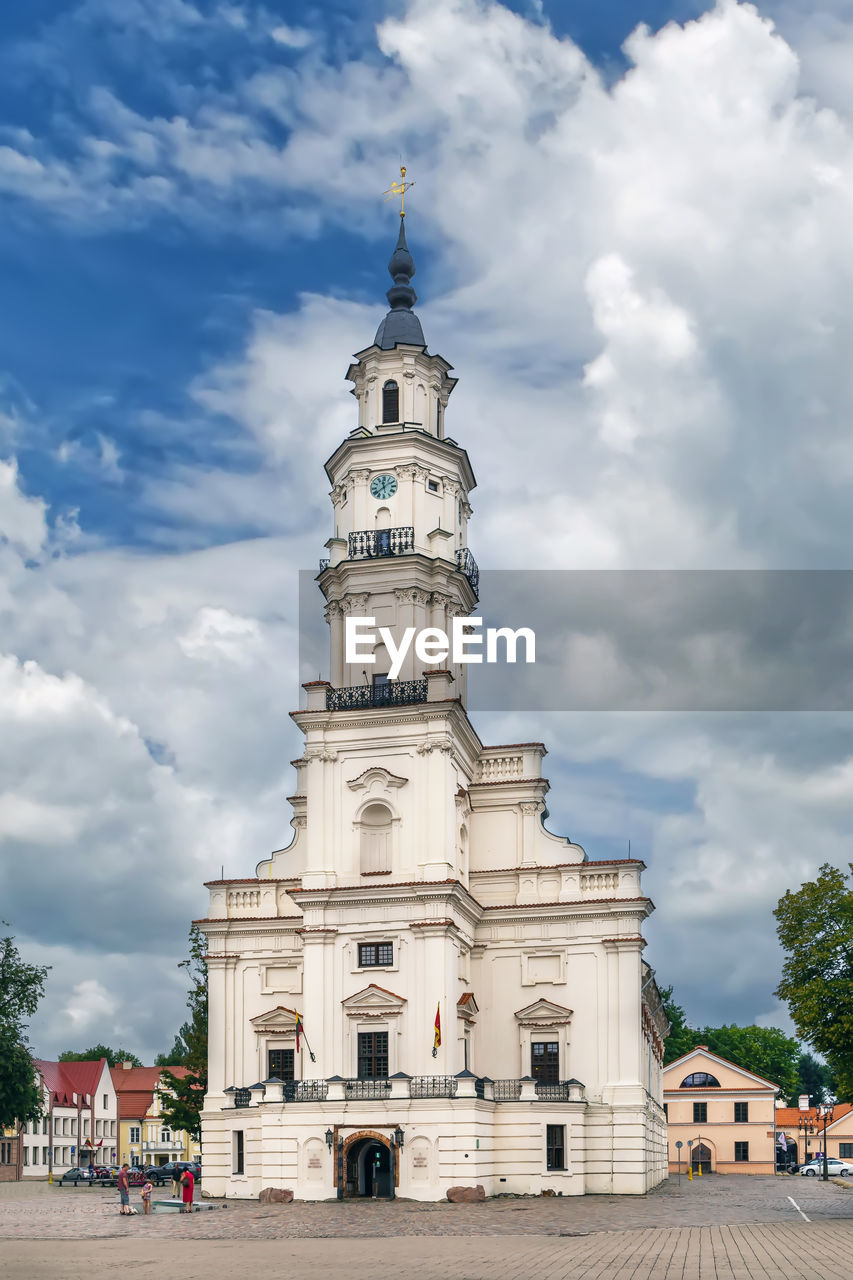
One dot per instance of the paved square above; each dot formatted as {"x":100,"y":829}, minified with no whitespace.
{"x":746,"y":1228}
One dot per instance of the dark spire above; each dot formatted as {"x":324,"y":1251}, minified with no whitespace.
{"x":401,"y":324}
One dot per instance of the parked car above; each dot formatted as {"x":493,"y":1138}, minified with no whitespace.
{"x":180,"y":1165}
{"x":836,"y":1168}
{"x":73,"y":1177}
{"x":158,"y":1174}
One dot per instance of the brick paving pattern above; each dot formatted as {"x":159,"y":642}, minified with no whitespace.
{"x":715,"y":1229}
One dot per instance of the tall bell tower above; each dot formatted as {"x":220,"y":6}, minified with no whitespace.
{"x":400,"y":486}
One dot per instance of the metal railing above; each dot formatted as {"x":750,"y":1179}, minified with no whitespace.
{"x":242,"y":1097}
{"x":433,"y":1087}
{"x":507,"y":1090}
{"x":367,"y":1088}
{"x":306,"y":1090}
{"x":324,"y":564}
{"x":552,"y":1091}
{"x":466,"y":564}
{"x":367,"y":544}
{"x":394,"y":693}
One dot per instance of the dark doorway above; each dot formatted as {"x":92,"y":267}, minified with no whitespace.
{"x":368,"y":1171}
{"x":700,"y":1157}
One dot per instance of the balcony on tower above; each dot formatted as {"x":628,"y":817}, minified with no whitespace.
{"x":369,"y":544}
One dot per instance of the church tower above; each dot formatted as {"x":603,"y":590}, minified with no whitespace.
{"x":426,"y":986}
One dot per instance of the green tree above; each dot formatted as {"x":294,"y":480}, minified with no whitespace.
{"x":815,"y":1079}
{"x":815,"y":928}
{"x":114,"y":1057}
{"x":681,"y":1038}
{"x":21,"y":989}
{"x":182,"y":1097}
{"x":766,"y":1051}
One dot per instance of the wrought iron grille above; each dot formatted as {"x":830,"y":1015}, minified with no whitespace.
{"x":366,"y":544}
{"x":324,"y":564}
{"x":433,"y":1087}
{"x":242,"y":1097}
{"x":393,"y":693}
{"x":466,"y":564}
{"x":480,"y":1088}
{"x":553,"y":1091}
{"x":507,"y":1090}
{"x":367,"y":1088}
{"x":306,"y":1090}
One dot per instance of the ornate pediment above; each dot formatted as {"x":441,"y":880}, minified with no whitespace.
{"x":467,"y":1007}
{"x":376,"y":779}
{"x":374,"y":1002}
{"x":544,"y":1013}
{"x":278,"y":1020}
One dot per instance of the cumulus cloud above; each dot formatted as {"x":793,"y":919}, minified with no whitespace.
{"x":645,"y":288}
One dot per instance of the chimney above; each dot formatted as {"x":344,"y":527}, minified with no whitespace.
{"x":703,"y":1046}
{"x":803,"y":1102}
{"x":125,"y":1066}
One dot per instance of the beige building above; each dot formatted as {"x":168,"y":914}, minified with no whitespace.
{"x":801,"y":1147}
{"x":727,"y":1113}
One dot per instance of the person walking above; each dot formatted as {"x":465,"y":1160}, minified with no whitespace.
{"x":188,"y":1185}
{"x":176,"y":1183}
{"x":124,"y":1189}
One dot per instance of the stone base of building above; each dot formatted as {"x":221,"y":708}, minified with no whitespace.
{"x":423,"y":1147}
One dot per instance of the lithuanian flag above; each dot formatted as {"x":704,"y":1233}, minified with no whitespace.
{"x":437,"y":1037}
{"x":299,"y":1030}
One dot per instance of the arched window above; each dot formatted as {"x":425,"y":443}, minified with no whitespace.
{"x":700,"y":1080}
{"x":390,"y":402}
{"x":375,"y":824}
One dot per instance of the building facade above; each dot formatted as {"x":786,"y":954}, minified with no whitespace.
{"x":799,"y":1147}
{"x":78,"y":1124}
{"x":144,"y":1138}
{"x":471,"y":985}
{"x":11,"y":1154}
{"x":727,"y":1114}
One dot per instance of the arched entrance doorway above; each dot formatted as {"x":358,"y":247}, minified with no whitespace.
{"x":369,"y":1169}
{"x":700,"y":1157}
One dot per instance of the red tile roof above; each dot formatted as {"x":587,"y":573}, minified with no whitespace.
{"x":135,"y":1087}
{"x":788,"y":1116}
{"x":64,"y":1079}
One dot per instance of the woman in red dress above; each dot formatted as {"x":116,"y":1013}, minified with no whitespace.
{"x":187,"y":1185}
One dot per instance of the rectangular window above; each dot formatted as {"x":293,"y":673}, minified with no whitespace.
{"x":432,"y":485}
{"x":373,"y":1055}
{"x":44,"y":1125}
{"x":555,"y":1144}
{"x":280,"y":1064}
{"x":741,"y":1152}
{"x":741,"y":1113}
{"x":237,"y":1165}
{"x":845,"y":1150}
{"x":26,"y":1155}
{"x":166,"y":1137}
{"x":371,"y":954}
{"x":45,"y":1155}
{"x":700,"y":1113}
{"x":134,"y":1133}
{"x":545,"y":1061}
{"x":106,"y":1102}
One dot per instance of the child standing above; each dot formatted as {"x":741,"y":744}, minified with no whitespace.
{"x":147,"y":1188}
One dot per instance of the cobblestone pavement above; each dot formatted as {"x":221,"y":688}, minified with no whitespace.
{"x":38,"y":1211}
{"x":793,"y":1250}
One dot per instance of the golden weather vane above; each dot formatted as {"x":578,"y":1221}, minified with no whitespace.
{"x":399,"y":189}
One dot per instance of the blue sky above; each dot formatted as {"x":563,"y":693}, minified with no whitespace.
{"x":632,"y":242}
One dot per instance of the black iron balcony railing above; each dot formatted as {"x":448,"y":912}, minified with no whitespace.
{"x":367,"y":544}
{"x":466,"y":564}
{"x":306,"y":1090}
{"x":507,"y":1090}
{"x":367,"y":1088}
{"x":433,"y":1087}
{"x":393,"y":693}
{"x":552,"y":1091}
{"x":242,"y":1097}
{"x":324,"y":564}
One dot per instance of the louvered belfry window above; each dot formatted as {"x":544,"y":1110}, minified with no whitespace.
{"x":390,"y":402}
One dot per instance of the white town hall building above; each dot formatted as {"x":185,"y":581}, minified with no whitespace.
{"x":421,"y":881}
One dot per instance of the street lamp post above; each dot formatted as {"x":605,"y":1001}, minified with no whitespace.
{"x":826,"y":1111}
{"x":806,"y":1126}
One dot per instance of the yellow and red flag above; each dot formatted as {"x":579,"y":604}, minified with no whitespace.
{"x":437,"y":1038}
{"x":299,"y":1030}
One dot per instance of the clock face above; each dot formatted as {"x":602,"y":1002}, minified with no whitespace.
{"x":383,"y":486}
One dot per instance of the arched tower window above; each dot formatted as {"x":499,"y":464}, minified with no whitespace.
{"x":700,"y":1080}
{"x":375,"y":850}
{"x":390,"y":402}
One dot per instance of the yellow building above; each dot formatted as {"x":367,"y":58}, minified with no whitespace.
{"x":144,"y":1138}
{"x":726,"y":1113}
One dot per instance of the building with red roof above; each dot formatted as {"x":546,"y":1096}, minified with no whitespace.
{"x":800,"y":1146}
{"x":79,"y":1121}
{"x":144,"y":1138}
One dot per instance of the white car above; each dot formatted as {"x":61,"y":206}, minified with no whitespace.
{"x":837,"y":1168}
